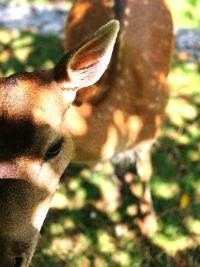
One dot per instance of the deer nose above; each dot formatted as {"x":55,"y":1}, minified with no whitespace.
{"x":16,"y":263}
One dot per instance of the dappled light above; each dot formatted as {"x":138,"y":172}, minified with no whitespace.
{"x":25,"y":51}
{"x":93,"y":220}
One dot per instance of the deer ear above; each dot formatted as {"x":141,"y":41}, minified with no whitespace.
{"x":84,"y":66}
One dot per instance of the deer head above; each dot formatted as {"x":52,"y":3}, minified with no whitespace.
{"x":36,"y":144}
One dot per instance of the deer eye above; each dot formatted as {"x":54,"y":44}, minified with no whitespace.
{"x":54,"y":150}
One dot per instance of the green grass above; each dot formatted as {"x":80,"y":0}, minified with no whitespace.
{"x":92,"y":221}
{"x":24,"y":51}
{"x":185,"y":13}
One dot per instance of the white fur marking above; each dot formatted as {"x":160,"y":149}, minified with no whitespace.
{"x":126,"y":23}
{"x":127,"y":11}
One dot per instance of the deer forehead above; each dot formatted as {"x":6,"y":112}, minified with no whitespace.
{"x":31,"y":110}
{"x":34,"y":95}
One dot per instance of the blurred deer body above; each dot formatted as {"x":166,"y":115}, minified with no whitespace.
{"x":125,"y":108}
{"x":47,"y":120}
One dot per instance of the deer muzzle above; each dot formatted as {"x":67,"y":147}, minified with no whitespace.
{"x":20,"y":202}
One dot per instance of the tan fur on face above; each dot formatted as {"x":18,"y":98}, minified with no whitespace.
{"x":32,"y":109}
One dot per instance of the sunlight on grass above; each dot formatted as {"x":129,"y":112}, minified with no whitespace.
{"x":193,"y":225}
{"x":185,"y":13}
{"x":165,"y":190}
{"x":59,"y":201}
{"x":183,"y":110}
{"x":24,"y":51}
{"x":122,"y":258}
{"x":105,"y":242}
{"x":171,"y":246}
{"x":184,"y":81}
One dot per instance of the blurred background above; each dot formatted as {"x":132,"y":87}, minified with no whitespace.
{"x":93,"y":217}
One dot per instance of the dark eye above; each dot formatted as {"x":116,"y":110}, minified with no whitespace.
{"x":54,"y":150}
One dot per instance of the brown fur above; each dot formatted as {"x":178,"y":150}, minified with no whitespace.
{"x":124,"y":110}
{"x":135,"y":83}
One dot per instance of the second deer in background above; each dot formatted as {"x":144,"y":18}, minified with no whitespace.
{"x":124,"y":110}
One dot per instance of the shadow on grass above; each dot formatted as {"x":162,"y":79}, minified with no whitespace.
{"x":24,"y":51}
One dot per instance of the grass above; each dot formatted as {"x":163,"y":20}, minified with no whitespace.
{"x":92,"y":221}
{"x":24,"y":51}
{"x":185,"y":13}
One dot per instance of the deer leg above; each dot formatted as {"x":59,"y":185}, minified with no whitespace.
{"x":147,"y":223}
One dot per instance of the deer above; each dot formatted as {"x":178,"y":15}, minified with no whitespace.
{"x":106,"y":95}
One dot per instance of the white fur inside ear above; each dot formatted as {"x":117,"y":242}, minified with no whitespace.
{"x":90,"y":61}
{"x":90,"y":75}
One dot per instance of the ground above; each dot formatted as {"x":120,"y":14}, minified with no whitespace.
{"x":92,"y":221}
